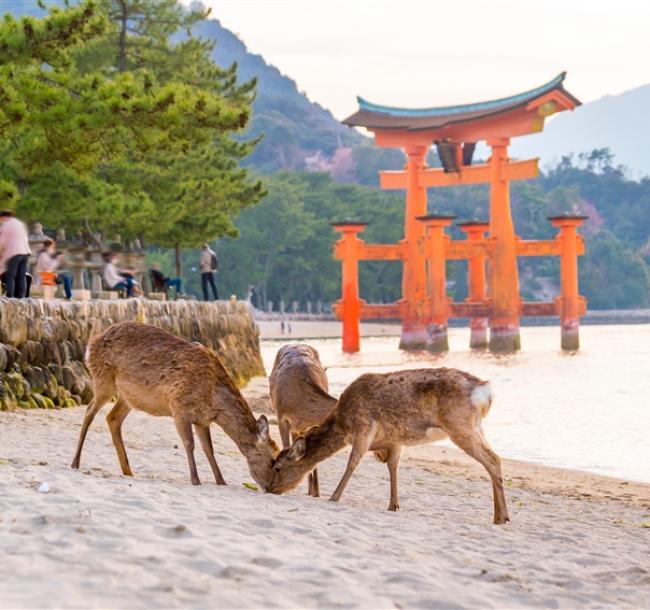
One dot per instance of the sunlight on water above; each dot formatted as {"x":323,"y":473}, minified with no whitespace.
{"x":588,"y":410}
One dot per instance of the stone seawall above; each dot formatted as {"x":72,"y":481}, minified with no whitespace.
{"x":42,"y":343}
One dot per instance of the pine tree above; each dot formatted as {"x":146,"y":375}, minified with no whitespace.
{"x":105,"y":123}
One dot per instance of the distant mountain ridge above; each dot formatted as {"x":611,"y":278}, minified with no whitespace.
{"x":618,"y":122}
{"x":298,"y":133}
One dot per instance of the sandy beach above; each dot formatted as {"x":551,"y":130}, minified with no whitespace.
{"x":99,"y":539}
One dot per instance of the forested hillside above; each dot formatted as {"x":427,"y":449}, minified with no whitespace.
{"x":285,"y":242}
{"x":298,"y":133}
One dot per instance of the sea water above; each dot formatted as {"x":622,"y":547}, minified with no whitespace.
{"x":588,"y":410}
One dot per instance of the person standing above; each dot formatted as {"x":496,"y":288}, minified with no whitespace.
{"x":14,"y":254}
{"x":208,"y":265}
{"x":48,"y":261}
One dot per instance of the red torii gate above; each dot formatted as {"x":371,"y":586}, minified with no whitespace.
{"x":424,"y":308}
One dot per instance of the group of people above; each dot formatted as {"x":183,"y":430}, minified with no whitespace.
{"x":16,"y":280}
{"x":124,"y":279}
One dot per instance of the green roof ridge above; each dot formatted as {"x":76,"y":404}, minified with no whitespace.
{"x":450,"y":110}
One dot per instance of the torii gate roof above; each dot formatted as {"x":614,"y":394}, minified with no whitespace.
{"x":542,"y":101}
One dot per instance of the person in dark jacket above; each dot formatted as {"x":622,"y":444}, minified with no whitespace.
{"x":161,"y":283}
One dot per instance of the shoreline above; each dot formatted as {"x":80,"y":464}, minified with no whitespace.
{"x":523,"y":474}
{"x":315,"y":329}
{"x":99,"y":539}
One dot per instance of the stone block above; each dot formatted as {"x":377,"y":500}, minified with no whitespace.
{"x":157,"y":296}
{"x":49,"y":292}
{"x":107,"y":295}
{"x":81,"y":295}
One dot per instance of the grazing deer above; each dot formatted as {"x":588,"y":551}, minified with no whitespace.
{"x":299,"y":395}
{"x":151,"y":370}
{"x":383,"y":412}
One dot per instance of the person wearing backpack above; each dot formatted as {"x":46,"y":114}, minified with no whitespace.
{"x":208,"y":264}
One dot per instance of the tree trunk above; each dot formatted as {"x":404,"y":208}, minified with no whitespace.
{"x":177,"y":250}
{"x":121,"y":57}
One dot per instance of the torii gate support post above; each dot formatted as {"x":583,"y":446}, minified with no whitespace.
{"x":347,"y":248}
{"x":414,"y":279}
{"x":476,"y":231}
{"x":571,"y":306}
{"x":435,"y":246}
{"x":503,"y":277}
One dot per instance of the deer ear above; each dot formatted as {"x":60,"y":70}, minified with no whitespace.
{"x":263,"y":428}
{"x":298,"y":449}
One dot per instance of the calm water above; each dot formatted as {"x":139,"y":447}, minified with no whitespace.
{"x":589,"y":411}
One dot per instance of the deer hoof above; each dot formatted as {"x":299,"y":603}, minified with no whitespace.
{"x":501,"y":520}
{"x":393,"y":507}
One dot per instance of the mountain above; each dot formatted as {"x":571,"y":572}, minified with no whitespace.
{"x":618,"y":122}
{"x":298,"y":133}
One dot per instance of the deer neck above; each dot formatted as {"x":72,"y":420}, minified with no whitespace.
{"x":324,"y":441}
{"x":236,"y":419}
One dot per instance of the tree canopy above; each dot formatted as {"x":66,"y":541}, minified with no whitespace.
{"x":107,"y":124}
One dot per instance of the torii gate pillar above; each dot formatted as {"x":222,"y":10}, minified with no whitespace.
{"x":503,"y":273}
{"x":414,"y":277}
{"x":475,"y":231}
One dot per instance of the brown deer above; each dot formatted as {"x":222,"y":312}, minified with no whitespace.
{"x":299,"y":396}
{"x":151,"y":370}
{"x":383,"y":412}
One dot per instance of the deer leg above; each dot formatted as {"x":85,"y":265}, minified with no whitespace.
{"x":115,"y":418}
{"x":98,"y":401}
{"x":314,"y":489}
{"x":476,"y":446}
{"x":393,"y":461}
{"x":360,"y":445}
{"x":184,"y":428}
{"x":203,"y":432}
{"x":285,"y":433}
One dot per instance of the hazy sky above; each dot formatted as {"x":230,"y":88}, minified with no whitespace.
{"x":432,"y":52}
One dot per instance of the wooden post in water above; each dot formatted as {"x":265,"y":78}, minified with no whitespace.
{"x":349,"y":307}
{"x":475,"y":231}
{"x":570,"y":304}
{"x":439,"y":305}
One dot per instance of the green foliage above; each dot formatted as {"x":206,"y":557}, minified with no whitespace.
{"x":8,"y":195}
{"x":108,"y":125}
{"x":613,"y":275}
{"x":285,"y":243}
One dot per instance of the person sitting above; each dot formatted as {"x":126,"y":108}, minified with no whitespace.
{"x":47,"y":264}
{"x":120,"y":279}
{"x":162,"y":283}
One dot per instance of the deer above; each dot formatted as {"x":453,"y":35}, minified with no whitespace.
{"x":149,"y":369}
{"x":383,"y":412}
{"x":300,"y":396}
